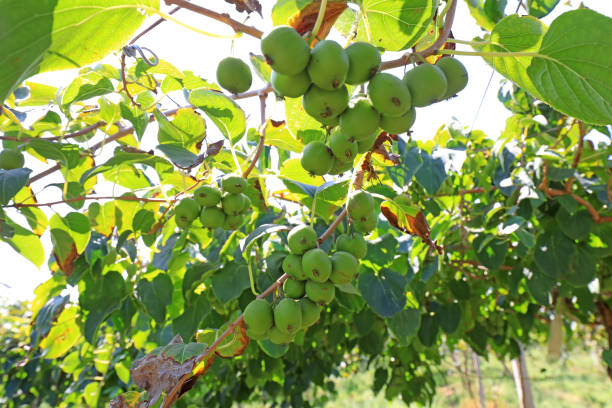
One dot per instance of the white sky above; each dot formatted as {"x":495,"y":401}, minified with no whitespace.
{"x":188,"y":50}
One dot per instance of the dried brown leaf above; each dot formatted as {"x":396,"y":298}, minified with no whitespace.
{"x":246,"y":5}
{"x":214,"y":148}
{"x":304,"y":21}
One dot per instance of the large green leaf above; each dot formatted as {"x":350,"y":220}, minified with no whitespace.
{"x":553,"y":253}
{"x":63,"y":335}
{"x":490,"y":251}
{"x":47,"y":35}
{"x":230,"y":281}
{"x":11,"y":181}
{"x":187,"y":129}
{"x":405,"y":324}
{"x":395,"y":24}
{"x":541,"y":8}
{"x":76,"y":225}
{"x":156,"y":294}
{"x":431,"y":174}
{"x":126,"y":160}
{"x":486,"y":12}
{"x":384,"y":292}
{"x":223,"y":111}
{"x":26,"y":243}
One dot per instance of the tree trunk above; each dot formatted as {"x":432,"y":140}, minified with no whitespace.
{"x":521,"y":380}
{"x":481,"y":395}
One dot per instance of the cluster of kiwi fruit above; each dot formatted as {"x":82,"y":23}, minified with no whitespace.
{"x":216,"y":208}
{"x":313,"y":275}
{"x":11,"y":159}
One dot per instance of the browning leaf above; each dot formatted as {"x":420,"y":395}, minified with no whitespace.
{"x":246,"y":5}
{"x":130,"y":399}
{"x":234,"y":345}
{"x":66,"y":264}
{"x":304,"y":21}
{"x":417,"y":225}
{"x":214,"y":148}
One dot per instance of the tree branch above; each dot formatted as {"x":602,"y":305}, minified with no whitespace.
{"x":83,"y":198}
{"x":224,"y":18}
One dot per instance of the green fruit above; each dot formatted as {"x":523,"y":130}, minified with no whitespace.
{"x":360,"y":203}
{"x":366,"y":223}
{"x":258,"y":316}
{"x":311,"y":312}
{"x":316,"y":265}
{"x":290,"y":85}
{"x":366,"y":144}
{"x":182,"y":223}
{"x":207,"y":196}
{"x":344,"y":267}
{"x":212,"y":217}
{"x":455,"y":73}
{"x":320,"y":292}
{"x":342,"y":146}
{"x":233,"y":204}
{"x":364,"y":62}
{"x":317,"y":158}
{"x":389,"y":95}
{"x":11,"y":159}
{"x":288,"y":316}
{"x":360,"y":121}
{"x":285,"y":50}
{"x":328,"y":65}
{"x":340,"y":167}
{"x":186,"y":211}
{"x":293,"y":288}
{"x":398,"y":124}
{"x":325,"y":106}
{"x":353,"y":243}
{"x":277,"y":336}
{"x":234,"y":75}
{"x":247,"y":205}
{"x":292,"y":265}
{"x":427,"y":84}
{"x":253,"y":335}
{"x":233,"y":222}
{"x":233,"y":184}
{"x":301,"y":238}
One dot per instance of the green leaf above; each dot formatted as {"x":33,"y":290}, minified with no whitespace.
{"x":583,"y":268}
{"x":26,"y":243}
{"x":262,"y":69}
{"x":431,"y":174}
{"x":572,"y":72}
{"x":223,"y":111}
{"x":490,"y":251}
{"x":302,"y":126}
{"x":486,"y":14}
{"x":262,"y":230}
{"x":11,"y":181}
{"x":179,"y":155}
{"x":273,"y":350}
{"x":47,"y":314}
{"x":449,"y":317}
{"x":181,"y":352}
{"x":428,"y":332}
{"x":541,"y":8}
{"x":230,"y":281}
{"x":395,"y":24}
{"x":460,"y":289}
{"x":63,"y":335}
{"x":277,"y":134}
{"x":136,"y":117}
{"x":553,"y":253}
{"x":87,"y":86}
{"x":405,"y":324}
{"x":187,"y":323}
{"x":156,"y":295}
{"x":77,"y":227}
{"x":41,"y":36}
{"x":383,"y":292}
{"x":539,"y":286}
{"x":102,"y":295}
{"x":125,"y":160}
{"x":40,"y":94}
{"x":187,"y":130}
{"x":103,"y":217}
{"x":577,"y":226}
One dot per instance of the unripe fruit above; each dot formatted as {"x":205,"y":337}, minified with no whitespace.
{"x":233,"y":184}
{"x":342,"y":146}
{"x":293,"y":288}
{"x":360,"y":121}
{"x":366,"y":223}
{"x":233,"y":204}
{"x":340,"y":167}
{"x":360,"y":203}
{"x":207,"y":196}
{"x":366,"y":144}
{"x":389,"y":95}
{"x":182,"y":223}
{"x":311,"y":312}
{"x":233,"y":222}
{"x":247,"y":205}
{"x":325,"y":106}
{"x":317,"y":158}
{"x":320,"y":292}
{"x":398,"y":124}
{"x":254,"y":335}
{"x":212,"y":217}
{"x":344,"y":267}
{"x":292,"y":266}
{"x":11,"y":159}
{"x":234,"y":75}
{"x":427,"y":84}
{"x":291,"y":86}
{"x":328,"y":65}
{"x":277,"y":336}
{"x":364,"y":62}
{"x":316,"y":265}
{"x":285,"y":50}
{"x":288,"y":316}
{"x":301,"y":238}
{"x":354,"y":244}
{"x":455,"y":73}
{"x":186,"y":211}
{"x":258,"y":316}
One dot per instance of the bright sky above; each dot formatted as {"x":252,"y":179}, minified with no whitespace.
{"x":188,"y":50}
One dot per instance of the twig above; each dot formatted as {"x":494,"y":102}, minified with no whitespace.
{"x":224,"y":18}
{"x":72,"y":135}
{"x":474,"y":190}
{"x":478,"y":265}
{"x":152,"y":26}
{"x":83,"y":198}
{"x":124,"y":81}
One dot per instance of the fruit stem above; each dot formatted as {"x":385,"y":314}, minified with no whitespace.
{"x":458,"y":41}
{"x":320,"y":16}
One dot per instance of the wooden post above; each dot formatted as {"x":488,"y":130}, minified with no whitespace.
{"x":481,"y":395}
{"x":521,"y":380}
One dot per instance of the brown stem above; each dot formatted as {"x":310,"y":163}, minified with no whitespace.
{"x":124,"y":81}
{"x":72,"y":135}
{"x":152,"y":26}
{"x":431,"y":50}
{"x":224,"y":18}
{"x":83,"y":198}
